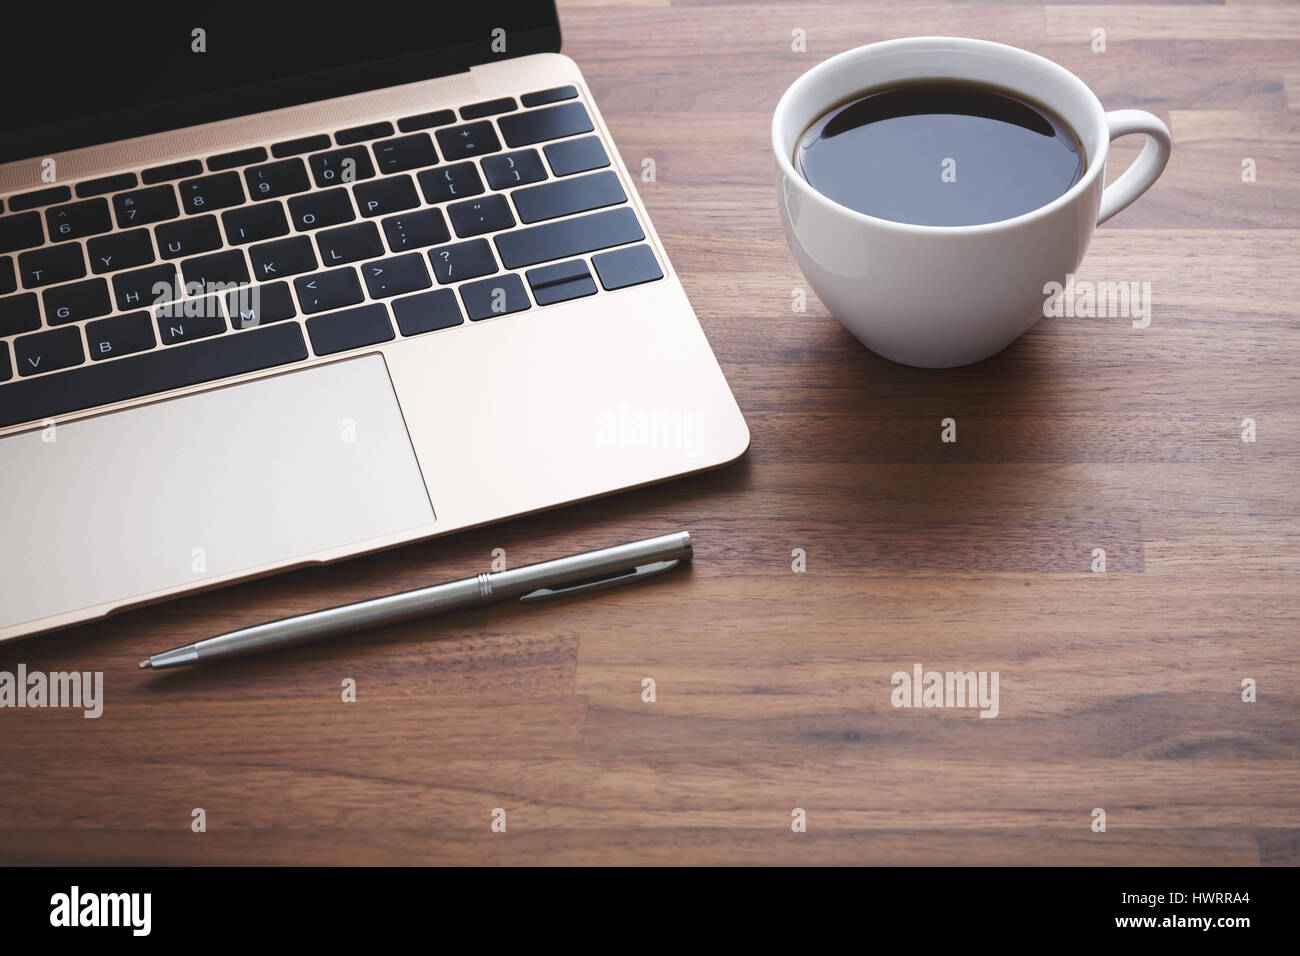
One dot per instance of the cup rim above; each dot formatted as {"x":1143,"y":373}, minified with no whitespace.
{"x":784,"y":164}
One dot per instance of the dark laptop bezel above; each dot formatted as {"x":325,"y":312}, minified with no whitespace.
{"x":295,"y":91}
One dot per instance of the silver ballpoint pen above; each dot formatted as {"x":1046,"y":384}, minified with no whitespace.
{"x":575,"y":574}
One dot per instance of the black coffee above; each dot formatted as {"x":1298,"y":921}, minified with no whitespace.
{"x":940,"y":153}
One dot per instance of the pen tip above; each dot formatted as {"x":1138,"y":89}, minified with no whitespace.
{"x":143,"y":665}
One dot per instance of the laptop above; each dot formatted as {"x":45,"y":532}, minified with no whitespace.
{"x":285,"y":289}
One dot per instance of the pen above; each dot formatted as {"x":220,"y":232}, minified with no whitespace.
{"x":575,"y":574}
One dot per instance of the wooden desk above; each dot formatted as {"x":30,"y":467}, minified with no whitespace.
{"x":1119,"y":690}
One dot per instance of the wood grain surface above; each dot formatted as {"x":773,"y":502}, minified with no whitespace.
{"x":1118,"y":690}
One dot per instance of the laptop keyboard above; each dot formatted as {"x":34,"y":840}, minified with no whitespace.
{"x":146,"y":281}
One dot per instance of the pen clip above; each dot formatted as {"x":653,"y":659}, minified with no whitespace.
{"x":604,"y":581}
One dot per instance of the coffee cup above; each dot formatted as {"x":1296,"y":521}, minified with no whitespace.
{"x":941,"y":296}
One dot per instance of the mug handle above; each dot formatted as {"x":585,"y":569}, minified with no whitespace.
{"x":1150,"y":163}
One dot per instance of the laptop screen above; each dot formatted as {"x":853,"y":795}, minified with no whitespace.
{"x":73,"y":78}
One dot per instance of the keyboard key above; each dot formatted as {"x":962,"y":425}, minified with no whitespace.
{"x":105,"y":185}
{"x":210,"y":273}
{"x":477,"y":216}
{"x":188,"y":237}
{"x":297,"y":147}
{"x":78,"y":220}
{"x":567,"y":196}
{"x":39,"y":197}
{"x":171,"y":172}
{"x":134,"y":290}
{"x":50,"y":265}
{"x":211,"y":192}
{"x":490,"y":108}
{"x":19,"y":313}
{"x":542,"y":97}
{"x":554,"y":122}
{"x":48,"y":351}
{"x":514,"y":169}
{"x":121,"y":250}
{"x":119,"y":335}
{"x":190,"y":319}
{"x":286,"y":257}
{"x":561,"y":282}
{"x":81,"y":300}
{"x":351,"y":329}
{"x":450,"y":182}
{"x":145,"y":206}
{"x":472,"y":139}
{"x":328,"y":208}
{"x":254,"y":223}
{"x":576,"y":156}
{"x":349,"y":244}
{"x":499,"y":295}
{"x":21,"y":232}
{"x":464,"y":260}
{"x":151,"y":373}
{"x":405,"y":152}
{"x":625,"y":267}
{"x":387,"y":277}
{"x":240,"y":157}
{"x":328,"y":290}
{"x":426,"y":121}
{"x":259,"y":305}
{"x":386,"y":195}
{"x":284,"y":178}
{"x":416,"y":230}
{"x":359,"y":134}
{"x":6,"y":372}
{"x":8,"y":278}
{"x":341,"y":166}
{"x":568,"y":238}
{"x":427,"y":312}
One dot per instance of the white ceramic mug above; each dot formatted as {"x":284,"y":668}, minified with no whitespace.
{"x":940,"y":296}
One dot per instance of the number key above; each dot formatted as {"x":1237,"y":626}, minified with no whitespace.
{"x":211,"y":192}
{"x":78,"y":219}
{"x":143,"y":206}
{"x":341,"y":166}
{"x":276,"y":179}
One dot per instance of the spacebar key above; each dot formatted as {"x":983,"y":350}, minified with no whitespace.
{"x":570,"y":237}
{"x":91,"y":386}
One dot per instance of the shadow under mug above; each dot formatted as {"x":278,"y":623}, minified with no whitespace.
{"x":942,"y":296}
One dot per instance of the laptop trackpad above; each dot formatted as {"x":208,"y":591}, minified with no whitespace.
{"x":113,"y":508}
